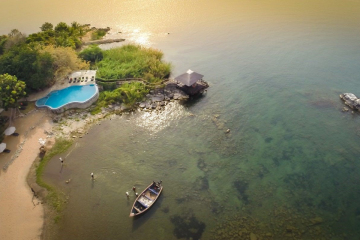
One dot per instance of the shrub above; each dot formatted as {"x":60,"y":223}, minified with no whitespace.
{"x":132,"y":61}
{"x":98,"y":34}
{"x":92,"y":54}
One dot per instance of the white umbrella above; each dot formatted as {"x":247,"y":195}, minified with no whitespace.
{"x":2,"y":147}
{"x":9,"y":130}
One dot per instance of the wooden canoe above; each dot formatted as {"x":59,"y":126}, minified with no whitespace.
{"x":146,"y":199}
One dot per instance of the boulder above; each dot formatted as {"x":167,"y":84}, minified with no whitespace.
{"x":177,"y":96}
{"x":148,"y":105}
{"x":351,"y":100}
{"x":157,"y":98}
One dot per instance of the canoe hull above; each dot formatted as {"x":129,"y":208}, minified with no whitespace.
{"x":146,"y":199}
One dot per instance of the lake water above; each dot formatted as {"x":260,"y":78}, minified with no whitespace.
{"x":289,"y":168}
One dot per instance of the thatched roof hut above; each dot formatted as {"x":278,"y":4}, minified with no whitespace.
{"x":189,"y":78}
{"x":191,"y":82}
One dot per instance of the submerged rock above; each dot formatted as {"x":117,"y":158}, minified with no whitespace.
{"x":253,"y":236}
{"x":187,"y":226}
{"x":316,"y":220}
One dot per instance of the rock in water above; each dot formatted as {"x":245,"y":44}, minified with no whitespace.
{"x":351,"y":100}
{"x":316,"y":220}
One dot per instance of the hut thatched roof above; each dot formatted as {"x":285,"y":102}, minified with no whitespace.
{"x":189,"y":78}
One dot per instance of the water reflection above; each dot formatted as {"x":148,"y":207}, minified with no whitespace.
{"x":155,"y":121}
{"x":139,"y":37}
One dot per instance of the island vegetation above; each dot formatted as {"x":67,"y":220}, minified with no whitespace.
{"x":127,"y":62}
{"x":42,"y":58}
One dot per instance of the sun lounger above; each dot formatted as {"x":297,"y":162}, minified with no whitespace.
{"x":15,"y":134}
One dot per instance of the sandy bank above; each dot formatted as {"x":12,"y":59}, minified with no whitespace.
{"x":22,"y":216}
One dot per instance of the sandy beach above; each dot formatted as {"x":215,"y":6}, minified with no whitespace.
{"x":21,"y":214}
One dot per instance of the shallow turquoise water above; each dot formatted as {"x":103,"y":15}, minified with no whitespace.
{"x":275,"y":70}
{"x":59,"y":98}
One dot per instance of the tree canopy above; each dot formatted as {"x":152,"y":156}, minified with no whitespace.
{"x":3,"y":39}
{"x":62,"y":35}
{"x":11,"y":89}
{"x":65,"y":60}
{"x":31,"y":65}
{"x":15,"y":38}
{"x":92,"y":54}
{"x":47,"y":27}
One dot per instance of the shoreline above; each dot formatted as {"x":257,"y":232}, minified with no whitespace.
{"x":18,"y":170}
{"x":23,"y":212}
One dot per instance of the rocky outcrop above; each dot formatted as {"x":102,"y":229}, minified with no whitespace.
{"x":104,"y":41}
{"x":160,"y":96}
{"x":351,"y":100}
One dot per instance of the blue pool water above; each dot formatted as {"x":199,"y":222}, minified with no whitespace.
{"x":60,"y":98}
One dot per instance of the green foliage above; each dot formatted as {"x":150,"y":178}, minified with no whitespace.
{"x":47,"y":27}
{"x":11,"y":90}
{"x":132,"y":92}
{"x":133,"y":61}
{"x":62,"y":35}
{"x":108,"y":86}
{"x":65,"y":60}
{"x":29,"y":64}
{"x":62,"y":27}
{"x":92,"y":54}
{"x":128,"y":93}
{"x":98,"y":34}
{"x":15,"y":38}
{"x":3,"y":39}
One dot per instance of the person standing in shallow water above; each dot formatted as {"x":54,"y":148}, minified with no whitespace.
{"x":61,"y":160}
{"x":134,"y":188}
{"x":92,"y":176}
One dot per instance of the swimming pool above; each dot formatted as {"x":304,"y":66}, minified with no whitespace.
{"x":71,"y":97}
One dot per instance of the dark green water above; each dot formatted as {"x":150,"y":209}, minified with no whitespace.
{"x":289,"y":168}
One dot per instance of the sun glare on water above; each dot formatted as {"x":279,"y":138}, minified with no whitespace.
{"x":139,"y":37}
{"x":156,"y":122}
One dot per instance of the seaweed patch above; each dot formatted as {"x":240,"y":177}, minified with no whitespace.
{"x":187,"y":226}
{"x":241,"y":187}
{"x":201,"y":183}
